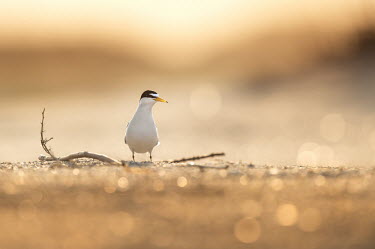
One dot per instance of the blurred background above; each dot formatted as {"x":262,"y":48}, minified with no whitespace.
{"x":271,"y":82}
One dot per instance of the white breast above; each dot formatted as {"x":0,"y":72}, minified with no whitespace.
{"x":141,"y":134}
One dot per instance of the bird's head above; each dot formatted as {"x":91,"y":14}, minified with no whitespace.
{"x":151,"y":97}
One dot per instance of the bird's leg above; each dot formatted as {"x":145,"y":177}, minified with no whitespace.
{"x":150,"y":157}
{"x":133,"y":156}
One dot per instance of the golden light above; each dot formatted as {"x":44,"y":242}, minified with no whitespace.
{"x":320,"y":180}
{"x":274,"y":171}
{"x":176,"y":32}
{"x":307,"y":158}
{"x":313,"y":154}
{"x":109,"y":189}
{"x":287,"y":214}
{"x":182,"y":181}
{"x":307,"y":154}
{"x":247,"y":230}
{"x":164,"y":17}
{"x":75,"y":172}
{"x":123,"y":182}
{"x":276,"y":184}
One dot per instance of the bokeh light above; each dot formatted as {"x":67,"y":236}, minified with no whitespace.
{"x":320,"y":180}
{"x":307,"y":154}
{"x":313,"y":154}
{"x":110,"y":189}
{"x":75,"y":172}
{"x":287,"y":214}
{"x":182,"y":181}
{"x":247,"y":230}
{"x":276,"y":184}
{"x":123,"y":182}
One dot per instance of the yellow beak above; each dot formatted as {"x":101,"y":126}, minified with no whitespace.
{"x":160,"y":100}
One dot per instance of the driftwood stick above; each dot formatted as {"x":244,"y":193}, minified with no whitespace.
{"x":52,"y":157}
{"x":83,"y":154}
{"x":196,"y":158}
{"x":44,"y":141}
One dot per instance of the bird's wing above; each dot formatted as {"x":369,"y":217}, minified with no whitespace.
{"x":157,"y":133}
{"x":125,"y":135}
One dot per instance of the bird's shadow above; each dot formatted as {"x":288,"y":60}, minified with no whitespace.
{"x":136,"y":164}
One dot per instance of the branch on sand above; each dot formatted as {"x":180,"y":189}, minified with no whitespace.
{"x":196,"y":158}
{"x":103,"y":158}
{"x":44,"y":141}
{"x":83,"y":154}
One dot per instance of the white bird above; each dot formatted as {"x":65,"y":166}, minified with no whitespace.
{"x":141,"y":133}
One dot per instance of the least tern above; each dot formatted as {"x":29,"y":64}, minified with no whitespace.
{"x":141,"y":133}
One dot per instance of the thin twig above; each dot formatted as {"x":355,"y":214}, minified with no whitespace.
{"x":196,"y":158}
{"x":43,"y":140}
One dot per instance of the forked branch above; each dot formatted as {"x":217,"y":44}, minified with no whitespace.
{"x":43,"y":140}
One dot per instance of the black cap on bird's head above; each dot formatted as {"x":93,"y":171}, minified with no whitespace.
{"x":153,"y":95}
{"x":149,"y":94}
